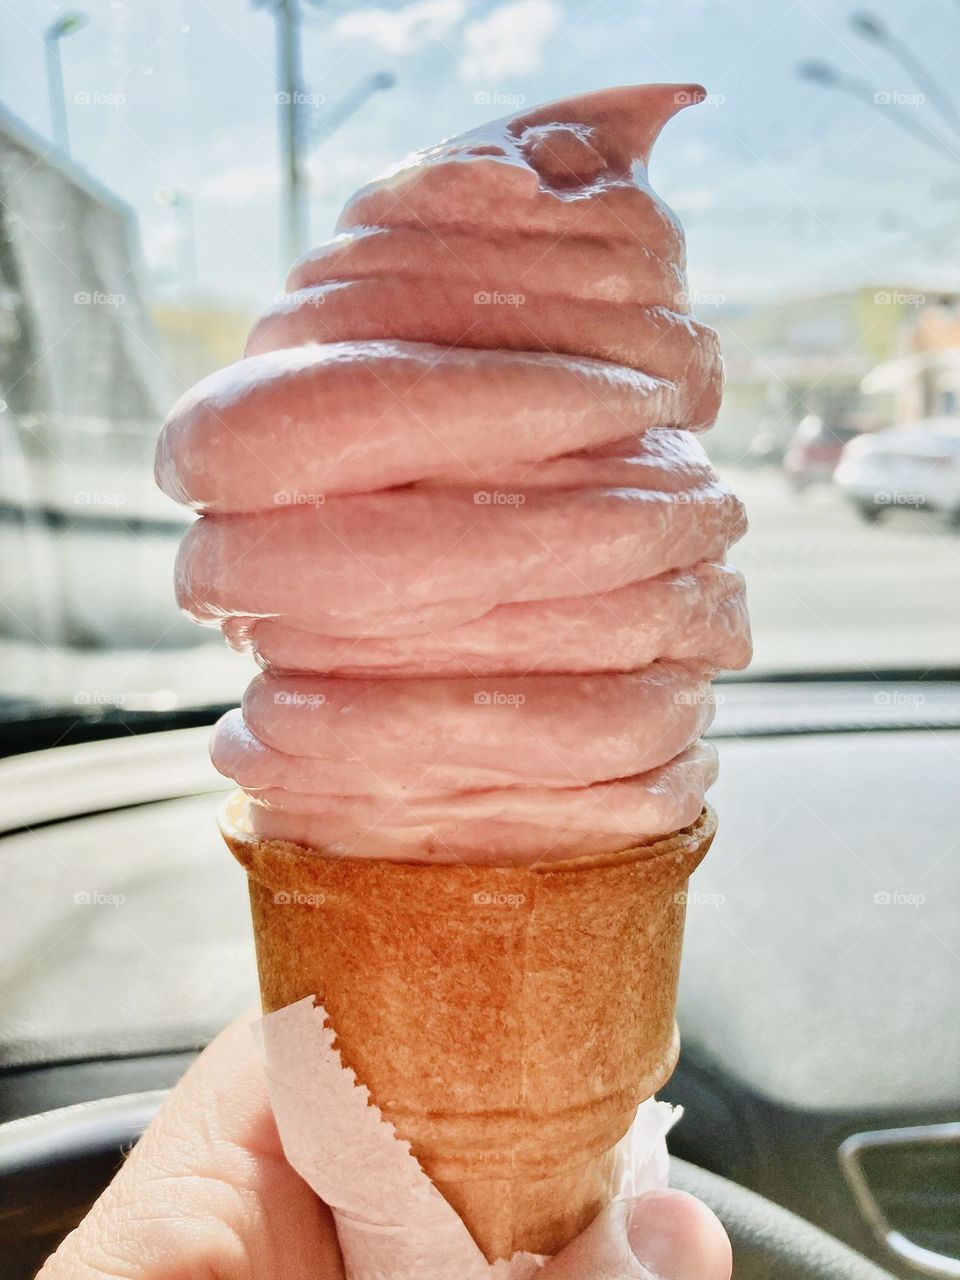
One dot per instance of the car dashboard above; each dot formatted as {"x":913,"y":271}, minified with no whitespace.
{"x":821,"y":973}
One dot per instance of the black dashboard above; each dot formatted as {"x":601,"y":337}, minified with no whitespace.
{"x":821,"y":975}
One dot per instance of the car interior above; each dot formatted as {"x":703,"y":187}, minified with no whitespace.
{"x":818,"y":1076}
{"x":148,"y":211}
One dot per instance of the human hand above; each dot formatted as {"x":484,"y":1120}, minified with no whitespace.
{"x":207,"y":1194}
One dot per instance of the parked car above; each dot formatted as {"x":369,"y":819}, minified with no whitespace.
{"x":814,"y":451}
{"x":915,"y":467}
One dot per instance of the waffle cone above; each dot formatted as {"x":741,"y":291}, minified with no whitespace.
{"x":507,"y":1020}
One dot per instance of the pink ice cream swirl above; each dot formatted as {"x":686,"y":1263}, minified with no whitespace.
{"x":453,"y":502}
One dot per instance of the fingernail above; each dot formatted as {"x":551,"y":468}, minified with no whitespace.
{"x":657,"y":1239}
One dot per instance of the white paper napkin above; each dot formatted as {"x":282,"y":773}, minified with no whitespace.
{"x":392,"y":1222}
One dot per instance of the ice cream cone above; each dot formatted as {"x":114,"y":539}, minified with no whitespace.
{"x":507,"y":1020}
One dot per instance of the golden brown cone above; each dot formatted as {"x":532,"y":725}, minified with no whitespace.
{"x":507,"y":1020}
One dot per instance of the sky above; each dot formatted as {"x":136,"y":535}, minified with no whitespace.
{"x":786,"y":187}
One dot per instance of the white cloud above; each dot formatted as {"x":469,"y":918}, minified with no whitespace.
{"x":241,"y":184}
{"x":340,"y":169}
{"x":402,"y":30}
{"x":509,"y":41}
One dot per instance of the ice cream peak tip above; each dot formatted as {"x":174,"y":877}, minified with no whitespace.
{"x":621,"y":124}
{"x":572,"y":146}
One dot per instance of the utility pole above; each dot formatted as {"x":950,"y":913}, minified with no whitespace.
{"x":296,"y":140}
{"x":898,"y":108}
{"x":823,"y":73}
{"x":869,"y":27}
{"x":63,"y":26}
{"x":289,"y":104}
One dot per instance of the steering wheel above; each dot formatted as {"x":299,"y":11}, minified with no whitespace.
{"x":53,"y":1165}
{"x":769,"y":1242}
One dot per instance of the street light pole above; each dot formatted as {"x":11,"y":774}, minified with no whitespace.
{"x":58,"y":103}
{"x":337,"y":115}
{"x":869,"y":26}
{"x":823,"y":73}
{"x":289,"y":104}
{"x":65,"y":25}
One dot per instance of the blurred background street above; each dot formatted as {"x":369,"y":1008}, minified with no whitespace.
{"x":159,"y":173}
{"x":824,"y":587}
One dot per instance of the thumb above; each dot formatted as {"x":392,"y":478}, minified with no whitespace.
{"x":663,"y":1235}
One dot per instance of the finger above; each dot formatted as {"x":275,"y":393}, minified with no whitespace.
{"x":663,"y":1235}
{"x":207,"y":1190}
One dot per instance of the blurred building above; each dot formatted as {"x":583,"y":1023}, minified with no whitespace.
{"x":199,"y":337}
{"x":923,"y":380}
{"x":84,"y":385}
{"x":802,"y":356}
{"x":78,"y":344}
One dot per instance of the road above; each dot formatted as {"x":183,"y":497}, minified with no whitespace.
{"x":827,"y":591}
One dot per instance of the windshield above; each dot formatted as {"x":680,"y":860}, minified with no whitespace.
{"x":161,"y":165}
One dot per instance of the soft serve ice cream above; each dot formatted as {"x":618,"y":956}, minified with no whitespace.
{"x":453,"y":502}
